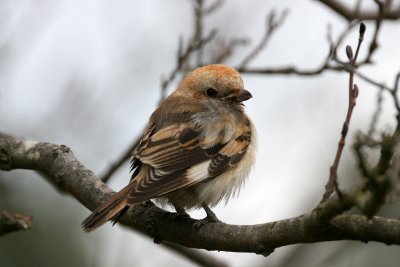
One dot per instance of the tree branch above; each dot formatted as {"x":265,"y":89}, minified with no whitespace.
{"x":58,"y":162}
{"x":350,"y":14}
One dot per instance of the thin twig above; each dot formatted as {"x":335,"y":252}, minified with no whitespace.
{"x":290,"y":70}
{"x":200,"y":12}
{"x":394,"y":92}
{"x":374,"y":43}
{"x":223,"y":49}
{"x":293,"y":70}
{"x":214,"y":6}
{"x":334,"y":46}
{"x":182,"y":59}
{"x":363,"y":165}
{"x":195,"y":255}
{"x":377,"y":113}
{"x":125,"y":156}
{"x":324,"y":66}
{"x":272,"y":23}
{"x":332,"y":185}
{"x":198,"y":26}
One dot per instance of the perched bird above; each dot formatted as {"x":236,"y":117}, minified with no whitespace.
{"x":198,"y":148}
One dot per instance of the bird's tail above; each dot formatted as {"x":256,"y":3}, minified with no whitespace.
{"x":112,"y":209}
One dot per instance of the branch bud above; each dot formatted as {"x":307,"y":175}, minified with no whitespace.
{"x":355,"y":91}
{"x":362,"y":30}
{"x":349,"y":52}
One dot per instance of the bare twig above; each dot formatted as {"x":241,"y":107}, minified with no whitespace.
{"x":377,"y":113}
{"x":293,"y":70}
{"x":323,"y":66}
{"x":214,"y":6}
{"x":223,"y":49}
{"x":332,"y":62}
{"x":198,"y":28}
{"x":182,"y":59}
{"x":394,"y":93}
{"x":379,"y":183}
{"x":353,"y":93}
{"x":368,"y":79}
{"x":290,"y":70}
{"x":364,"y":167}
{"x":13,"y":221}
{"x":374,"y":42}
{"x":272,"y":23}
{"x":200,"y":11}
{"x":380,"y":179}
{"x":125,"y":156}
{"x":334,"y":45}
{"x":195,"y":255}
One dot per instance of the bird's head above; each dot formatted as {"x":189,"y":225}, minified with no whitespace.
{"x":216,"y":83}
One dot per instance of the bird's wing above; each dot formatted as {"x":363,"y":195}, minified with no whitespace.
{"x":174,"y":157}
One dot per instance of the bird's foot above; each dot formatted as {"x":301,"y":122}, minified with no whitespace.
{"x":206,"y":220}
{"x":180,"y":213}
{"x":211,"y":217}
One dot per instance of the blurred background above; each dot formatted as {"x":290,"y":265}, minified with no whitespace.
{"x":88,"y":74}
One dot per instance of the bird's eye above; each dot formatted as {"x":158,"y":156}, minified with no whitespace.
{"x":211,"y":92}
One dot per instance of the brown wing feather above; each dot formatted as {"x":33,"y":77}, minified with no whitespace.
{"x":229,"y":155}
{"x":167,"y":157}
{"x":151,"y":186}
{"x":107,"y":210}
{"x":172,"y":149}
{"x":172,"y":152}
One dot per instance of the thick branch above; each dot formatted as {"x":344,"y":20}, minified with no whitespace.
{"x":59,"y":163}
{"x":353,"y":14}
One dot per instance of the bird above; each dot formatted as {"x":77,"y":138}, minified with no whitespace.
{"x":197,"y":149}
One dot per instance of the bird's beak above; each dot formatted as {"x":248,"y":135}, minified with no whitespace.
{"x":240,"y":96}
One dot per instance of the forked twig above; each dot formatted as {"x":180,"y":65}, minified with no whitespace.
{"x":119,"y":161}
{"x":272,"y":23}
{"x":183,"y":56}
{"x":332,"y":184}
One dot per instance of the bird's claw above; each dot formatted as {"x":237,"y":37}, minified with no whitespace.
{"x":206,"y":220}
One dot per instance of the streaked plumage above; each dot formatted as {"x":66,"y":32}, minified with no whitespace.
{"x":197,"y":149}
